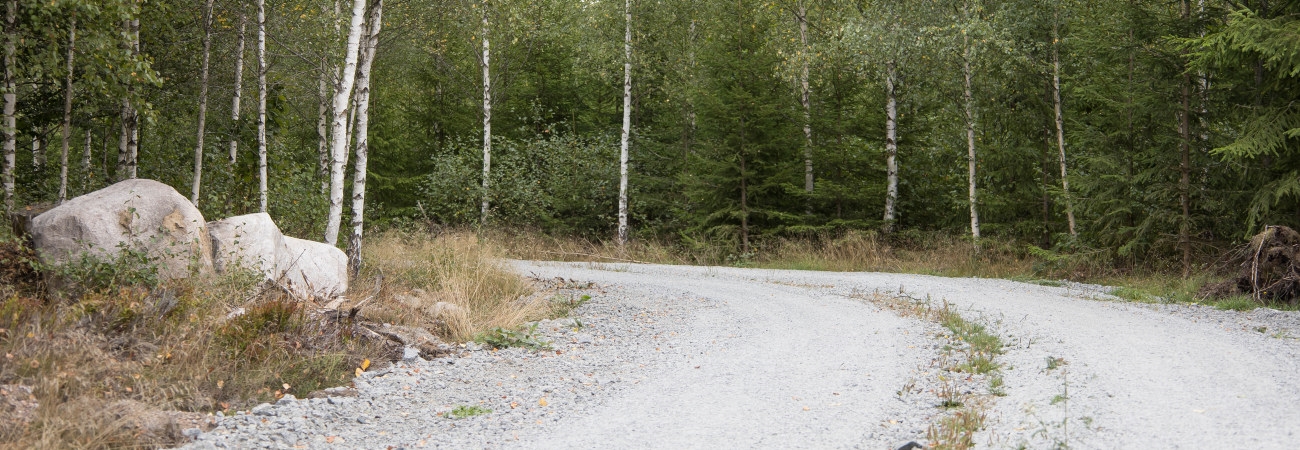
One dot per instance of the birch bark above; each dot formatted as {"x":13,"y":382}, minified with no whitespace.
{"x":11,"y":103}
{"x":487,"y":120}
{"x":891,"y":146}
{"x":1060,"y":125}
{"x":969,"y":109}
{"x":67,"y":111}
{"x":375,"y":19}
{"x":203,"y":102}
{"x":338,"y":131}
{"x":261,"y":106}
{"x":239,"y":88}
{"x":627,"y":122}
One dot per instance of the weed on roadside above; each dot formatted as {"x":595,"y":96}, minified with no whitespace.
{"x":466,"y":411}
{"x":562,"y":306}
{"x":523,"y":337}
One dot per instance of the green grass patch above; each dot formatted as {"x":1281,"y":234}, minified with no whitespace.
{"x":464,"y":411}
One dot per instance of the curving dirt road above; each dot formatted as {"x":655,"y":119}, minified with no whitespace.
{"x":792,"y":359}
{"x":696,"y":357}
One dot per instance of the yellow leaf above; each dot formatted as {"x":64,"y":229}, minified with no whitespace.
{"x":542,"y":402}
{"x":359,"y":371}
{"x":365,"y":364}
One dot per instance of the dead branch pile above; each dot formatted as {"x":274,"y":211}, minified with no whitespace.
{"x":1267,"y":269}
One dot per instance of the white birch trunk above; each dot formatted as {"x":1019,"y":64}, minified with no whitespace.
{"x":85,"y":164}
{"x":67,"y":111}
{"x":375,"y":19}
{"x":203,"y":102}
{"x":1060,"y":128}
{"x":133,"y":139}
{"x":487,"y":120}
{"x":262,"y":193}
{"x":969,"y":107}
{"x":627,"y":123}
{"x":338,"y":138}
{"x":804,"y":99}
{"x":322,"y":128}
{"x":11,"y":103}
{"x":891,"y":146}
{"x":239,"y":88}
{"x":38,"y":151}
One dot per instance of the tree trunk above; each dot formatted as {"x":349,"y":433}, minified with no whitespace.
{"x":627,"y":122}
{"x":375,"y":19}
{"x":239,"y":89}
{"x":338,"y":138}
{"x":129,"y":145}
{"x":1060,"y":126}
{"x":67,"y":111}
{"x":11,"y":103}
{"x":487,"y":119}
{"x":85,"y":164}
{"x":38,"y":150}
{"x":891,"y":146}
{"x":322,"y":128}
{"x":1185,"y":164}
{"x":203,"y":102}
{"x":969,"y":107}
{"x":805,"y":95}
{"x":261,"y":107}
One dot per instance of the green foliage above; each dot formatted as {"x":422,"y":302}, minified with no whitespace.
{"x":130,"y":267}
{"x":563,"y":306}
{"x":505,"y":338}
{"x":466,"y":411}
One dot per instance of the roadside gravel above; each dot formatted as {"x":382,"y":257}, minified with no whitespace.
{"x":672,"y":357}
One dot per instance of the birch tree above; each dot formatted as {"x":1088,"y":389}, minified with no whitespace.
{"x":239,"y":86}
{"x":487,"y":119}
{"x":11,"y":102}
{"x":203,"y":102}
{"x":375,"y":20}
{"x":128,"y":144}
{"x":1060,"y":122}
{"x":338,"y":131}
{"x":261,"y":105}
{"x":627,"y":122}
{"x":805,"y":94}
{"x":67,"y":109}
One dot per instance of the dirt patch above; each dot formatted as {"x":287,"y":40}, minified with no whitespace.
{"x":1268,"y":269}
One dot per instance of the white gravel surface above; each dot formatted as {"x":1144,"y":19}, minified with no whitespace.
{"x":700,"y":357}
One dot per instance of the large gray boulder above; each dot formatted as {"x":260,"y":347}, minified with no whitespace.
{"x":254,"y":242}
{"x":138,"y":214}
{"x":251,"y":242}
{"x":314,"y":267}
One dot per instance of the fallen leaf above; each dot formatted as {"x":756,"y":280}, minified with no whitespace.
{"x":359,"y":371}
{"x":330,"y":439}
{"x":365,"y":364}
{"x":514,"y":405}
{"x":542,"y":402}
{"x":286,"y":386}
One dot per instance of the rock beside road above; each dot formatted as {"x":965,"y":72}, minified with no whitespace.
{"x":253,"y":241}
{"x":138,"y":215}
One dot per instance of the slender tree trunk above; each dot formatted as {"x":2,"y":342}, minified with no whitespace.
{"x":487,"y":120}
{"x":338,"y":139}
{"x":1060,"y":126}
{"x":627,"y":122}
{"x":322,"y":128}
{"x":203,"y":102}
{"x":969,"y":107}
{"x":1185,"y":164}
{"x":261,"y":107}
{"x":375,"y":20}
{"x":67,"y":111}
{"x":239,"y":88}
{"x":891,"y":146}
{"x":744,"y":202}
{"x":129,"y":145}
{"x":86,"y":170}
{"x":11,"y":102}
{"x":38,"y":150}
{"x":805,"y":95}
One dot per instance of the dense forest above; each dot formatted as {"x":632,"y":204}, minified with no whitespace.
{"x":1140,"y":129}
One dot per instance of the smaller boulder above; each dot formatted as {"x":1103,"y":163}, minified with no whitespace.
{"x":250,"y":241}
{"x":313,"y":267}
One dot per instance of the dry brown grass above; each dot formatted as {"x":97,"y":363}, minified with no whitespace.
{"x":425,"y":273}
{"x":112,"y":361}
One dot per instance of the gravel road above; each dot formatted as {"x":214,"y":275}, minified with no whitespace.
{"x":702,"y":357}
